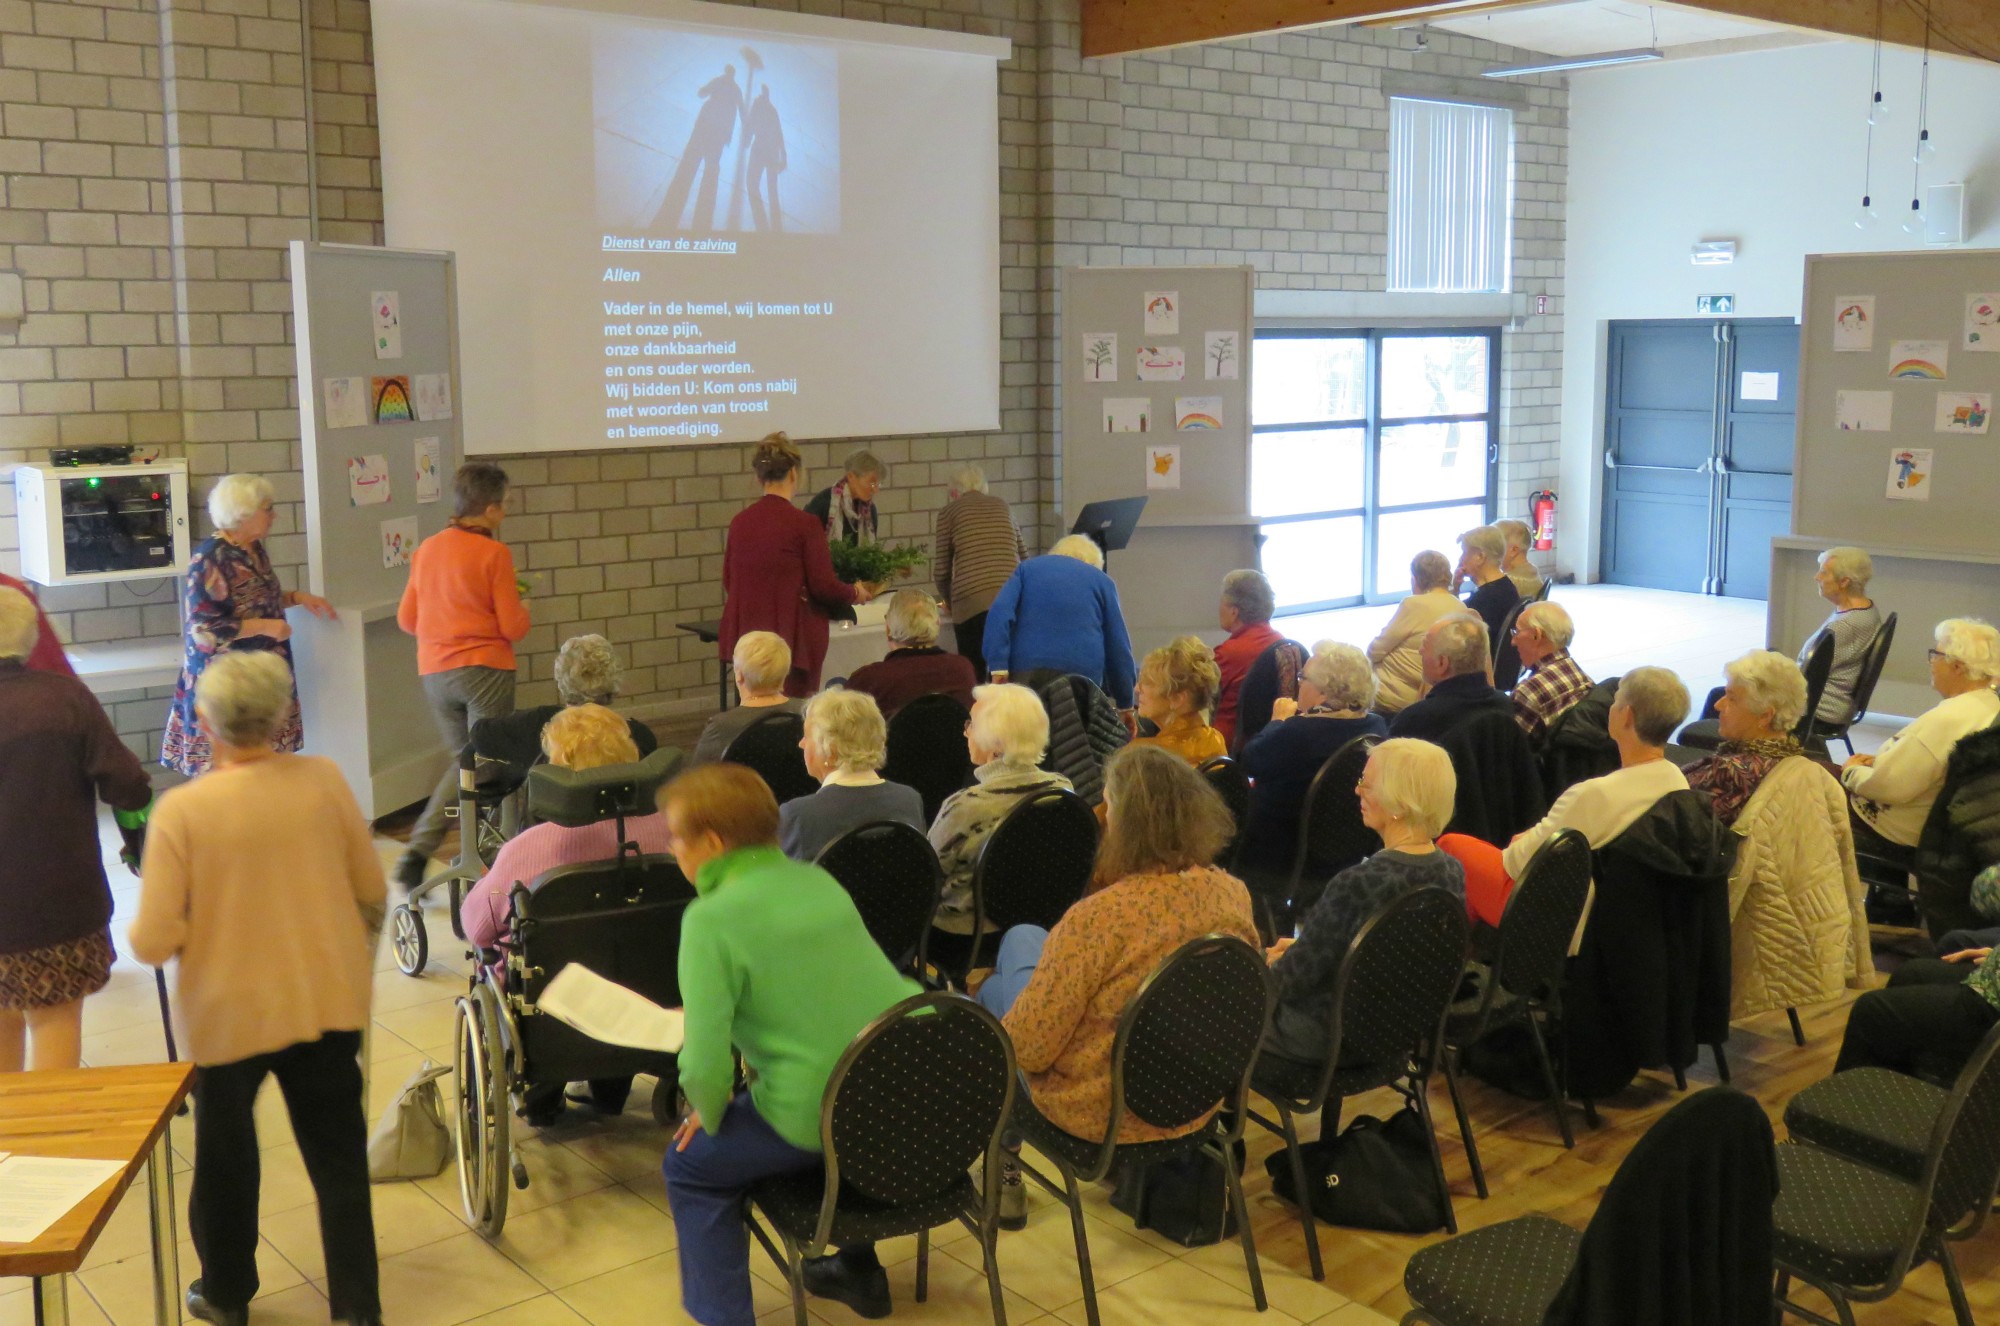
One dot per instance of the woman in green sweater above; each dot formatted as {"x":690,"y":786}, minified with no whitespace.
{"x":775,"y":962}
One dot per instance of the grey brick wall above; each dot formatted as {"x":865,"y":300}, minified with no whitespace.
{"x":152,"y":157}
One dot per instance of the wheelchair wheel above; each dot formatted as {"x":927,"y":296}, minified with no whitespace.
{"x":666,"y":1100}
{"x":480,"y":1062}
{"x":412,"y":944}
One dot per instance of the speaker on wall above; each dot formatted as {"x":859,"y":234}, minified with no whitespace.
{"x":1944,"y":214}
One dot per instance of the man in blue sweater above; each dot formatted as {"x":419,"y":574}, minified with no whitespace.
{"x":1060,"y":612}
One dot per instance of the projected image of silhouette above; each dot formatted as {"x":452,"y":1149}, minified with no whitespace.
{"x":703,"y":135}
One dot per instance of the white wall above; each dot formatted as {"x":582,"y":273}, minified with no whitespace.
{"x":1765,"y":149}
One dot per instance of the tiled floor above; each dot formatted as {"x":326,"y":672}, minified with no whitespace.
{"x":590,"y":1240}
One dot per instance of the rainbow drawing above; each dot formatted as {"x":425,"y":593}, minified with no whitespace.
{"x":1921,"y":360}
{"x":1195,"y":413}
{"x":392,"y":399}
{"x":1189,"y":422}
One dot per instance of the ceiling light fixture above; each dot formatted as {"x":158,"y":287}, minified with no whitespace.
{"x":1595,"y":61}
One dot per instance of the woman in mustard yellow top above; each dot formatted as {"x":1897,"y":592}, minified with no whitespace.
{"x":1177,"y":687}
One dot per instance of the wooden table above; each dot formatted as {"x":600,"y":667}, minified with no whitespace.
{"x":96,"y":1114}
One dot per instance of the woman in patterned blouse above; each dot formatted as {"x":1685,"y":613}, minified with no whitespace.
{"x":232,"y":600}
{"x":1763,"y":702}
{"x":1061,"y":992}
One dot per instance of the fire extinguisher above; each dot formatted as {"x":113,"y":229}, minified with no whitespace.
{"x":1542,"y":505}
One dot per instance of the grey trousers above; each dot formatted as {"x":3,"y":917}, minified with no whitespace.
{"x":459,"y":698}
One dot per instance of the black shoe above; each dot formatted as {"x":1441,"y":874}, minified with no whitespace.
{"x":864,"y":1290}
{"x":199,"y":1306}
{"x":410,"y":872}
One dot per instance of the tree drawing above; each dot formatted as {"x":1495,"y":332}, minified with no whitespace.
{"x":1098,"y":353}
{"x":1221,"y":351}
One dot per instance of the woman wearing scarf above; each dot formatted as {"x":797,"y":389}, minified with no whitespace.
{"x":847,"y":509}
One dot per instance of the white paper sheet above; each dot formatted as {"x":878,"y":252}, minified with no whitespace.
{"x":607,"y":1011}
{"x":430,"y":481}
{"x":385,"y":306}
{"x":37,"y":1191}
{"x":1760,"y":386}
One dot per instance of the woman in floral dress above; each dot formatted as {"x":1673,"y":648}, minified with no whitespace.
{"x":232,"y":600}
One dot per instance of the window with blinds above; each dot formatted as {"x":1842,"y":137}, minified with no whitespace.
{"x":1451,"y":184}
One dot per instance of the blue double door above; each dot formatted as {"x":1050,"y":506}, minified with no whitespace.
{"x":1700,"y":418}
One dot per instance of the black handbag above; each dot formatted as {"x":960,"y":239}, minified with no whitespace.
{"x":1185,"y":1199}
{"x":1376,"y":1175}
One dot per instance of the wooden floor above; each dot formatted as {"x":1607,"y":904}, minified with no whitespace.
{"x":1528,"y":1171}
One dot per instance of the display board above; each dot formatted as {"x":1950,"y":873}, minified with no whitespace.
{"x":1155,"y":372}
{"x":1899,"y":374}
{"x":377,"y":344}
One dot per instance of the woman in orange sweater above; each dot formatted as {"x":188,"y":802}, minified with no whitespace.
{"x":464,"y":606}
{"x":1176,"y":692}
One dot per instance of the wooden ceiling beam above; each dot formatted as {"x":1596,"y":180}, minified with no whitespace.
{"x":1124,"y":27}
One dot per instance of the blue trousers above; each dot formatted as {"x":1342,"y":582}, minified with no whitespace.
{"x":705,"y":1186}
{"x":1013,"y":967}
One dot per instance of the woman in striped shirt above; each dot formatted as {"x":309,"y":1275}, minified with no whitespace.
{"x":977,"y":548}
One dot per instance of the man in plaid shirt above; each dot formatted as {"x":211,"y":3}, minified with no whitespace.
{"x":1554,"y":682}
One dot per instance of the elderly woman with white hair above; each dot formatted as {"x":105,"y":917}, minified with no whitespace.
{"x":1407,"y":791}
{"x":845,"y":744}
{"x":262,"y":880}
{"x":1006,"y":738}
{"x":1060,"y":613}
{"x":975,"y":546}
{"x":914,"y":666}
{"x":1842,"y":578}
{"x":1248,"y":604}
{"x":762,"y":661}
{"x":1336,"y":690}
{"x":231,"y":600}
{"x":1482,"y":558}
{"x":1763,"y":702}
{"x":1397,"y":652}
{"x":1542,"y":636}
{"x":61,"y":757}
{"x":587,"y":672}
{"x":1890,"y":792}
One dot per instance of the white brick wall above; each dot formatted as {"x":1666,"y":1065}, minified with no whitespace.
{"x":152,"y":156}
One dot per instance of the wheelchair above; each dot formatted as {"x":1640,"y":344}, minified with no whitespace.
{"x":488,"y":814}
{"x":620,"y":918}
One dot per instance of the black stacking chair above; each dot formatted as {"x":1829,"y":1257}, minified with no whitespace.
{"x":1389,"y":1002}
{"x":1034,"y":865}
{"x":770,"y":748}
{"x":892,"y":873}
{"x":1272,"y":677}
{"x":1185,"y":1044}
{"x":1226,"y":776}
{"x":1542,"y":594}
{"x":920,"y":1096}
{"x":1872,"y":664}
{"x":927,"y":750}
{"x":1706,"y":733}
{"x":1331,"y":834}
{"x":1506,"y":661}
{"x":1853,"y":1231}
{"x":1669,"y":1217}
{"x":1526,"y":981}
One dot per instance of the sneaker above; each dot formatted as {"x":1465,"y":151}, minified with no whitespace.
{"x":1013,"y":1200}
{"x":410,"y":872}
{"x":865,"y":1289}
{"x":199,"y":1306}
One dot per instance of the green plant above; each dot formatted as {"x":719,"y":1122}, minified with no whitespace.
{"x":875,"y":563}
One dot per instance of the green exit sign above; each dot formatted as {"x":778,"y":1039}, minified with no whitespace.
{"x":1712,"y":305}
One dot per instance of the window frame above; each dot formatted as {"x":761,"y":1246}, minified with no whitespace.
{"x":1372,"y":426}
{"x":1510,"y":171}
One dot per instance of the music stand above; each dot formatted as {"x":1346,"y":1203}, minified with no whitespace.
{"x":1110,"y":523}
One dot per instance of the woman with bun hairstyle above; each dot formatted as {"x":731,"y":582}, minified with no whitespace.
{"x":777,"y":574}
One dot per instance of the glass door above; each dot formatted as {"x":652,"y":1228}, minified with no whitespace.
{"x":1367,"y":448}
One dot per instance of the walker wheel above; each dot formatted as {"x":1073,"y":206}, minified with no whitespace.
{"x":412,"y":944}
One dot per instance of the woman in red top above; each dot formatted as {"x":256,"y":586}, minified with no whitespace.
{"x":777,"y":574}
